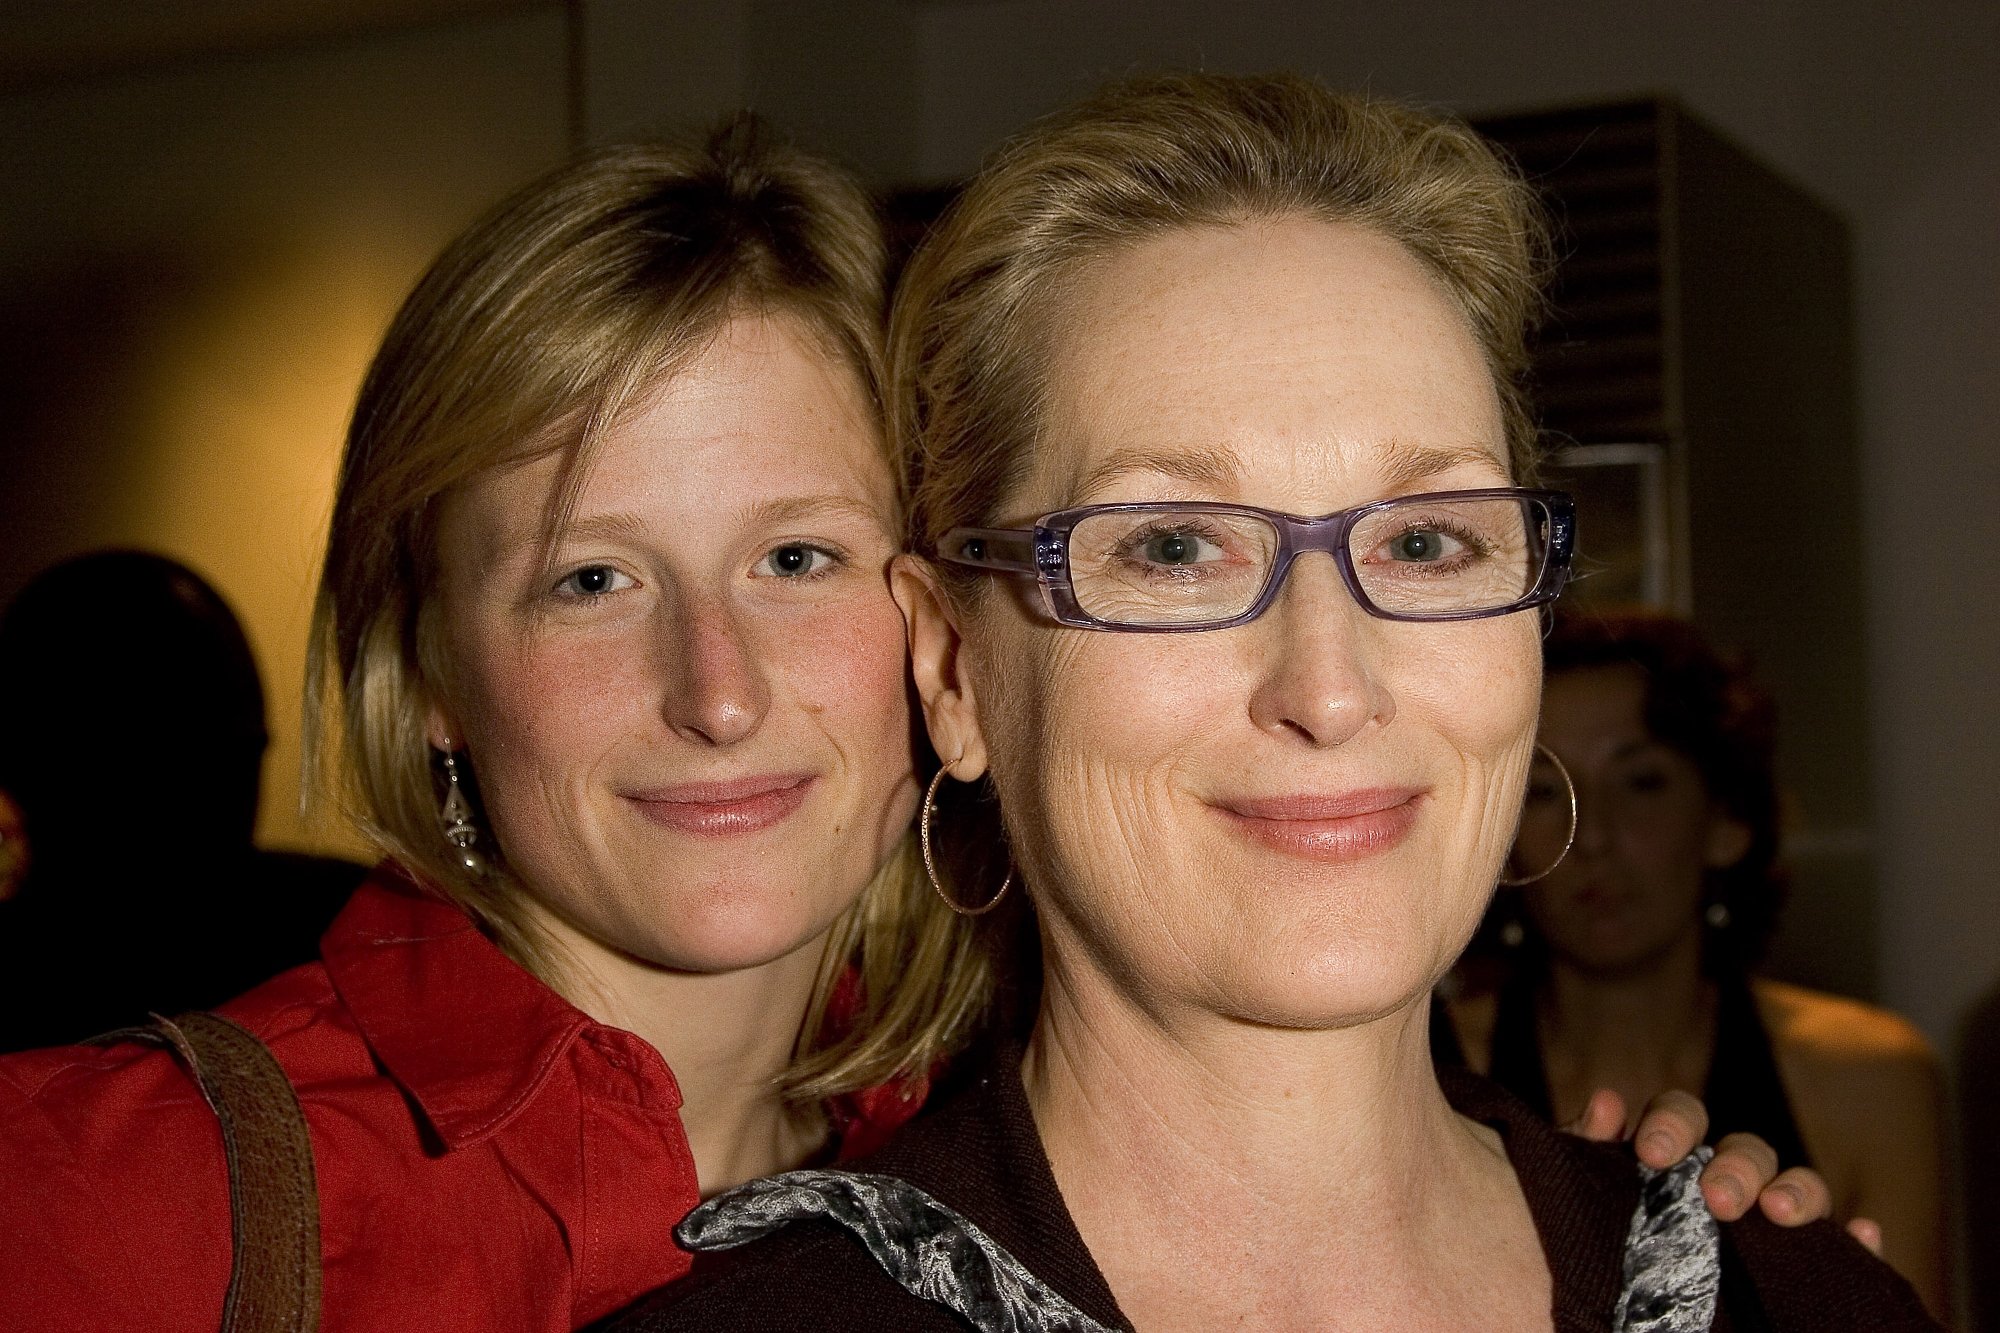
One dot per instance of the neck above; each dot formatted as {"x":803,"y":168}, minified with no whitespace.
{"x":1641,"y":1029}
{"x":727,"y":1037}
{"x":1335,"y":1150}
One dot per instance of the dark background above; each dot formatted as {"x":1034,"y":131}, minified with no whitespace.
{"x":209,"y":209}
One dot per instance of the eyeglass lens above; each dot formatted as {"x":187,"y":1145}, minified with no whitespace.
{"x":1191,"y":567}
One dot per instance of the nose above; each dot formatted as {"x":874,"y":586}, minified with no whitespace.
{"x":1318,"y":682}
{"x":716,"y":689}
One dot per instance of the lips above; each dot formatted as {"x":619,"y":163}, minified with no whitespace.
{"x":1341,"y":826}
{"x":725,"y":809}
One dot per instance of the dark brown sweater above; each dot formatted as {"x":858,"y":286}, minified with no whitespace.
{"x":978,"y":1153}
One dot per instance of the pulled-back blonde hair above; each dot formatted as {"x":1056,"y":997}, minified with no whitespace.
{"x":529,"y":335}
{"x":969,"y":333}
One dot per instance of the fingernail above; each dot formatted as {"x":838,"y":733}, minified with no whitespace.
{"x":1658,"y":1144}
{"x":1730,"y":1195}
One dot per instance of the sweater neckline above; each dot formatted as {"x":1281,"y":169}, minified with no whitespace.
{"x":978,"y":1151}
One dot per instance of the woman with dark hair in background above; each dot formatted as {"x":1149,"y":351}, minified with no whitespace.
{"x":1632,"y":955}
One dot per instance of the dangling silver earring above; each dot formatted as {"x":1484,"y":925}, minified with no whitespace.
{"x":1717,"y":915}
{"x":930,"y":866}
{"x":456,"y":818}
{"x":1569,"y":841}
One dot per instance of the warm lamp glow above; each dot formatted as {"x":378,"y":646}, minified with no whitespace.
{"x":242,"y":422}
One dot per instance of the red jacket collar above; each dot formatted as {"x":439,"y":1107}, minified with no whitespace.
{"x":470,"y":1034}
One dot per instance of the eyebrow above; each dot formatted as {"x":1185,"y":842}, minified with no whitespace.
{"x":792,"y":509}
{"x":629,"y":528}
{"x":1403,"y":465}
{"x":614,"y":527}
{"x":1214,"y":467}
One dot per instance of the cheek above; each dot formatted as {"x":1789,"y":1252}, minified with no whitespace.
{"x":1075,"y":719}
{"x":845,"y":665}
{"x":1669,"y":840}
{"x":540,"y":716}
{"x":1477,"y":685}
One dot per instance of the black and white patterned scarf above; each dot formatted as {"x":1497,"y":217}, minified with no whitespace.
{"x":1672,"y":1266}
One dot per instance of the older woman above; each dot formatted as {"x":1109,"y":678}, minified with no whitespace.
{"x":1227,"y":590}
{"x":622,"y":695}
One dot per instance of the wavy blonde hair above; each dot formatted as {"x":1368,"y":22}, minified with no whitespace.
{"x":528,"y":337}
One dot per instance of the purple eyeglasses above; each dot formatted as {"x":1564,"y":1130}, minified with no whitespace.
{"x":1167,"y":567}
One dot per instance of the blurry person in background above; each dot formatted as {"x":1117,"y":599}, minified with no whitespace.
{"x":132,"y":743}
{"x":1632,"y":957}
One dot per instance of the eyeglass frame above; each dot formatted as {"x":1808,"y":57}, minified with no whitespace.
{"x":1042,"y":550}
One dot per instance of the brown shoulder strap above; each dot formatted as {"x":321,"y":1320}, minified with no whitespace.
{"x":274,"y":1275}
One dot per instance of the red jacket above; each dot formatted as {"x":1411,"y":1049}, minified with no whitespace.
{"x":488,"y":1156}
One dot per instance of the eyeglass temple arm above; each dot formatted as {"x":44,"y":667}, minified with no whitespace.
{"x":1009,"y":549}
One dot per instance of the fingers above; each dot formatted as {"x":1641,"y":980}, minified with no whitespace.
{"x":1673,"y":1124}
{"x":1796,"y":1197}
{"x":1868,"y":1232}
{"x":1603,"y":1118}
{"x":1743,"y":1165}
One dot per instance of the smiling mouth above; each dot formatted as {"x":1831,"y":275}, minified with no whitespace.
{"x":725,"y":809}
{"x":1347,"y":826}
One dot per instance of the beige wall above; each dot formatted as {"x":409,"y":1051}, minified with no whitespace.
{"x":195,"y":265}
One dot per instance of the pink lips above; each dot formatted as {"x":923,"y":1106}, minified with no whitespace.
{"x":725,"y":809}
{"x":1346,"y":826}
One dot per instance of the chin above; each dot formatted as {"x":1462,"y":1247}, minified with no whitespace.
{"x":733,"y":928}
{"x":1330,"y":987}
{"x":1622,"y":955}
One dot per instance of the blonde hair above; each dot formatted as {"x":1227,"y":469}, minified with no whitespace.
{"x":528,"y":336}
{"x":967,"y":336}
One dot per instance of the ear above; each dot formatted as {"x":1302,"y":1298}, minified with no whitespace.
{"x":1728,"y":842}
{"x":937,"y":664}
{"x":441,"y":727}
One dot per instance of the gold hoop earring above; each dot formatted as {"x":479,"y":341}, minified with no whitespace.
{"x":1568,"y":842}
{"x":930,"y":866}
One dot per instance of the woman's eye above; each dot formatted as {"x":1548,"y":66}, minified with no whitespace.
{"x":796,"y":560}
{"x":1543,"y":790}
{"x":1646,"y":780}
{"x":1423,"y":546}
{"x":1179,"y":548}
{"x":592,"y":581}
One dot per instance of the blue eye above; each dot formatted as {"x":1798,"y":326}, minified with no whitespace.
{"x":796,"y":560}
{"x":592,"y":581}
